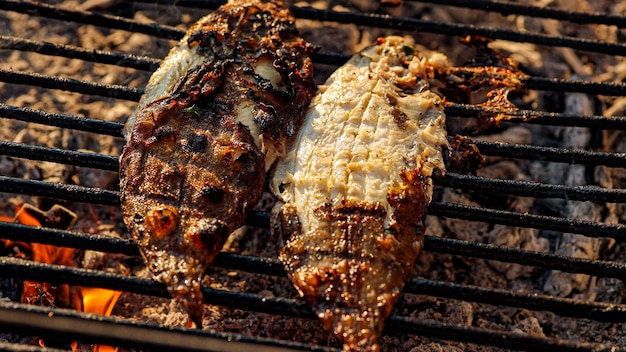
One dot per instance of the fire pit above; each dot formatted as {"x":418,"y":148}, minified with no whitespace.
{"x":524,"y":255}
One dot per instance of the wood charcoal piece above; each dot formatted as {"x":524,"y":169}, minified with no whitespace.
{"x":214,"y":117}
{"x":355,"y":187}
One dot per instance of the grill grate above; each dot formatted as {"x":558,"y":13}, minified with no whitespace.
{"x":53,"y":322}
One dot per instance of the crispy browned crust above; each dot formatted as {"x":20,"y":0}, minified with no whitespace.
{"x":485,"y":81}
{"x":190,"y":173}
{"x":353,"y":269}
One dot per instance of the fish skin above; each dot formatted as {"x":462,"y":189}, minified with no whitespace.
{"x":354,"y":189}
{"x":214,"y":117}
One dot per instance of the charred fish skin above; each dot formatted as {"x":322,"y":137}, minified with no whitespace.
{"x":355,"y":187}
{"x":214,"y":117}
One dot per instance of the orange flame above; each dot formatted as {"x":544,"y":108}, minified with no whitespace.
{"x":94,"y":300}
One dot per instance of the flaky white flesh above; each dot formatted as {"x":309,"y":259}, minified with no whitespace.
{"x":355,"y":185}
{"x":350,"y":147}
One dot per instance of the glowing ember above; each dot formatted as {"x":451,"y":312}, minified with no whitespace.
{"x":87,"y":299}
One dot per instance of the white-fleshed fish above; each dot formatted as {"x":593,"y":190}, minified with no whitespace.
{"x":355,"y":186}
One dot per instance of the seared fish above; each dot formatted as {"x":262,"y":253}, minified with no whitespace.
{"x":355,"y":187}
{"x":213,"y":119}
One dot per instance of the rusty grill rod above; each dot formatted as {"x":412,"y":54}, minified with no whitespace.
{"x":454,"y":29}
{"x":361,"y":19}
{"x":583,"y":227}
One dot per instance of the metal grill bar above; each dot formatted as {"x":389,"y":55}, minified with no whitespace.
{"x":71,"y":85}
{"x":520,"y":188}
{"x":72,"y":52}
{"x":557,"y":85}
{"x":56,"y":190}
{"x":71,"y":325}
{"x":107,"y":21}
{"x":412,"y":24}
{"x":64,"y":156}
{"x":369,"y":20}
{"x":509,"y":8}
{"x":132,"y":335}
{"x":61,"y":238}
{"x":531,"y":189}
{"x":522,"y":257}
{"x":506,"y":8}
{"x":13,"y":347}
{"x":598,"y":311}
{"x":503,"y":339}
{"x":528,"y":116}
{"x":100,"y":196}
{"x":134,"y":94}
{"x":606,"y":312}
{"x":275,"y":305}
{"x":18,"y":232}
{"x":587,"y":228}
{"x":559,"y":155}
{"x":540,"y":117}
{"x":61,"y":120}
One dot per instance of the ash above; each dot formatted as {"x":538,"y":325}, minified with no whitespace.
{"x":535,"y":60}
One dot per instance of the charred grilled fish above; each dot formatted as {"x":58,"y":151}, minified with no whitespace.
{"x":356,"y":185}
{"x":213,"y":119}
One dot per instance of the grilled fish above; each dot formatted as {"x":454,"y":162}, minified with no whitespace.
{"x":354,"y":188}
{"x":214,"y":117}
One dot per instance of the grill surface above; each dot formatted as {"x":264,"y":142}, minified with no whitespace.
{"x":405,"y":323}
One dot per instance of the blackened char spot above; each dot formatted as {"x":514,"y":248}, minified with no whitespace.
{"x":263,"y":83}
{"x":213,"y":193}
{"x":165,"y":133}
{"x":212,"y":43}
{"x":209,"y":234}
{"x":286,"y":30}
{"x":244,"y":158}
{"x":266,"y":118}
{"x":138,"y":219}
{"x":197,"y":143}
